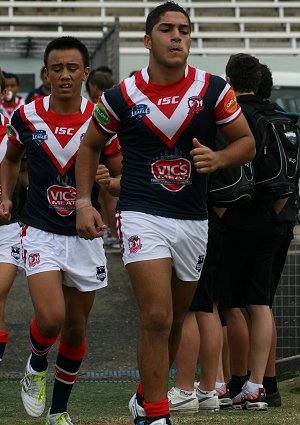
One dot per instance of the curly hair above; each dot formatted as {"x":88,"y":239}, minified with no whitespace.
{"x":244,"y":72}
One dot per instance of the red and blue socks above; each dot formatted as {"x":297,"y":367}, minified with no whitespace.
{"x":40,"y":346}
{"x":67,"y":367}
{"x":3,"y":342}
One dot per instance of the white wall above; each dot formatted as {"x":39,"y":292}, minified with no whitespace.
{"x":128,"y":63}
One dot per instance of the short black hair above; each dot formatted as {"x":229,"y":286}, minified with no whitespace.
{"x":11,"y":75}
{"x":244,"y":72}
{"x":155,"y":14}
{"x":105,"y":69}
{"x":102,"y":81}
{"x":266,"y":82}
{"x":67,"y":43}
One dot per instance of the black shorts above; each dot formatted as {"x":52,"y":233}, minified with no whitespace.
{"x":247,"y":264}
{"x":207,"y":290}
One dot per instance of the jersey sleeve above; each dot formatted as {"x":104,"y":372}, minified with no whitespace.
{"x":13,"y":129}
{"x":227,"y":109}
{"x":105,"y":116}
{"x":112,"y":147}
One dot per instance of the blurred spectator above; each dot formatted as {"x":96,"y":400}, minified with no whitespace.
{"x":11,"y":100}
{"x":43,"y":90}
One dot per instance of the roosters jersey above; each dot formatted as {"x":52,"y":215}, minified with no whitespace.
{"x":52,"y":141}
{"x":3,"y":145}
{"x":155,"y":126}
{"x":9,"y":108}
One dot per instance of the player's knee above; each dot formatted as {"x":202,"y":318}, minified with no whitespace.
{"x":50,"y":325}
{"x":156,"y":320}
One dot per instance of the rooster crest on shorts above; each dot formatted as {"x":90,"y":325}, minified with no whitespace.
{"x":15,"y":252}
{"x":101,"y":273}
{"x":134,"y":243}
{"x":200,"y":262}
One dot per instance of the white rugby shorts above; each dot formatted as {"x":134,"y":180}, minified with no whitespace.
{"x":10,"y":244}
{"x":148,"y":237}
{"x":83,"y":262}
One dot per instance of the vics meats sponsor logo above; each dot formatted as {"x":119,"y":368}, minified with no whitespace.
{"x":172,"y":174}
{"x":62,"y":199}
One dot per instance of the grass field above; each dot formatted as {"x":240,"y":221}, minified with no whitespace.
{"x":101,"y":403}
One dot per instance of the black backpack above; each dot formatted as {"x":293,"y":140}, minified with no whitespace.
{"x":230,"y":186}
{"x":276,"y":164}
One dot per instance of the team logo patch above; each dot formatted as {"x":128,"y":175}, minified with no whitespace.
{"x":139,"y":111}
{"x":134,"y":244}
{"x":195,"y":104}
{"x":200,"y":262}
{"x":230,"y":102}
{"x":39,"y":136}
{"x":101,"y":114}
{"x":9,"y":130}
{"x":34,"y":259}
{"x":172,"y":174}
{"x":15,"y":252}
{"x":62,"y":199}
{"x":101,"y":273}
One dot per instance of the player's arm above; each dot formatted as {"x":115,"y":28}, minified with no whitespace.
{"x":89,"y":223}
{"x":240,"y":149}
{"x":10,"y":168}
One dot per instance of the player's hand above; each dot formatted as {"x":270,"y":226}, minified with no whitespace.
{"x":5,"y":211}
{"x":205,"y":160}
{"x":103,"y":175}
{"x":89,"y":223}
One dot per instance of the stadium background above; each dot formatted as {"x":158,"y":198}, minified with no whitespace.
{"x":113,"y":32}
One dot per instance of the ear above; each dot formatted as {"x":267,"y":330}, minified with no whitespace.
{"x":86,"y":73}
{"x":228,"y":79}
{"x":147,"y":42}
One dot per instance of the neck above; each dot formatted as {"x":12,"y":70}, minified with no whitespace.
{"x":65,"y":106}
{"x":238,"y":93}
{"x":163,"y":75}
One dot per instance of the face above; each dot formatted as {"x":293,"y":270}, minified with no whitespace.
{"x":170,"y":40}
{"x":66,"y":73}
{"x":11,"y":89}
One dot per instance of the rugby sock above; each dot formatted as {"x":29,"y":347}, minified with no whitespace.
{"x":40,"y":346}
{"x":140,"y":395}
{"x":270,"y":384}
{"x":67,"y":367}
{"x":235,"y":384}
{"x":3,"y":342}
{"x":157,"y":410}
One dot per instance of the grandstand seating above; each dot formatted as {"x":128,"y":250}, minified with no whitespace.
{"x":219,"y":27}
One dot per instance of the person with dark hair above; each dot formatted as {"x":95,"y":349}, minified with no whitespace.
{"x":101,"y":71}
{"x":10,"y":241}
{"x":50,"y":130}
{"x":166,"y":116}
{"x":266,"y":82}
{"x":42,"y":90}
{"x":11,"y":101}
{"x":248,"y":249}
{"x":286,"y":221}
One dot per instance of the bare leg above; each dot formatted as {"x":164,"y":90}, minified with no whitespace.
{"x":187,"y":354}
{"x":260,"y":340}
{"x":210,"y":332}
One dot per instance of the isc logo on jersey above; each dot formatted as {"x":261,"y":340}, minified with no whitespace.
{"x":64,"y":130}
{"x":172,"y":174}
{"x":62,"y":199}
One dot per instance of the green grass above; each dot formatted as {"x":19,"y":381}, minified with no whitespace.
{"x":101,"y":403}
